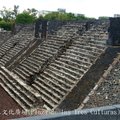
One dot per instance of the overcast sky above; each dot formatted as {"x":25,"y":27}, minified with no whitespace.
{"x":91,"y":8}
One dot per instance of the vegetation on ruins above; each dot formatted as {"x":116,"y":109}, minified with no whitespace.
{"x":8,"y":16}
{"x":103,"y":17}
{"x":64,"y":16}
{"x":5,"y":25}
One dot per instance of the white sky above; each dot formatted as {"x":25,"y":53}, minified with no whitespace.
{"x":91,"y":8}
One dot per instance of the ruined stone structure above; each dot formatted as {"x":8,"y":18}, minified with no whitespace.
{"x":4,"y":36}
{"x":45,"y":73}
{"x":114,"y":32}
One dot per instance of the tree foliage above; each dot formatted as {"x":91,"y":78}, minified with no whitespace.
{"x":57,"y":16}
{"x":63,"y":16}
{"x":103,"y":17}
{"x":9,"y":16}
{"x":81,"y":17}
{"x":5,"y":25}
{"x":32,"y":12}
{"x":15,"y":10}
{"x":1,"y":19}
{"x":25,"y":18}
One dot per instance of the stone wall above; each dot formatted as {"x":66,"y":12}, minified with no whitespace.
{"x":114,"y":32}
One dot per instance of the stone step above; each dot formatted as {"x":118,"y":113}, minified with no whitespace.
{"x":77,"y":60}
{"x":13,"y":95}
{"x":48,"y":50}
{"x":27,"y":71}
{"x":58,"y":78}
{"x":37,"y":58}
{"x":75,"y":54}
{"x":16,"y":91}
{"x":54,"y":36}
{"x":29,"y":65}
{"x":76,"y":64}
{"x":56,"y":41}
{"x":40,"y":54}
{"x":23,"y":74}
{"x":81,"y":53}
{"x":24,"y":95}
{"x":64,"y":72}
{"x":44,"y":97}
{"x":20,"y":75}
{"x":1,"y":63}
{"x":51,"y":87}
{"x":6,"y":58}
{"x":34,"y":62}
{"x":47,"y":92}
{"x":87,"y":47}
{"x":91,"y":42}
{"x":94,"y":45}
{"x":51,"y":46}
{"x":55,"y":83}
{"x":77,"y":70}
{"x":20,"y":91}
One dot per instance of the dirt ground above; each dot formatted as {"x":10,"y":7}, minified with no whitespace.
{"x":8,"y":107}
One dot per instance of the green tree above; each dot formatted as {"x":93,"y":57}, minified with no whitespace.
{"x":5,"y":25}
{"x":51,"y":16}
{"x":103,"y":18}
{"x":81,"y":17}
{"x":32,"y":12}
{"x":71,"y":16}
{"x":1,"y":19}
{"x":15,"y":10}
{"x":64,"y":16}
{"x":25,"y":18}
{"x":59,"y":16}
{"x":7,"y":14}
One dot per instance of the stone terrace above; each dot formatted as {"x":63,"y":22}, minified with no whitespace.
{"x":68,"y":69}
{"x":53,"y":68}
{"x":35,"y":62}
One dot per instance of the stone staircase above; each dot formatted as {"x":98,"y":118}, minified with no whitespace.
{"x":4,"y":36}
{"x":15,"y":44}
{"x":44,"y":53}
{"x":62,"y":75}
{"x":55,"y":66}
{"x":69,"y":30}
{"x":41,"y":56}
{"x":25,"y":96}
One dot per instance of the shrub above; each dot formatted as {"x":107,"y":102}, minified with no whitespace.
{"x":5,"y":25}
